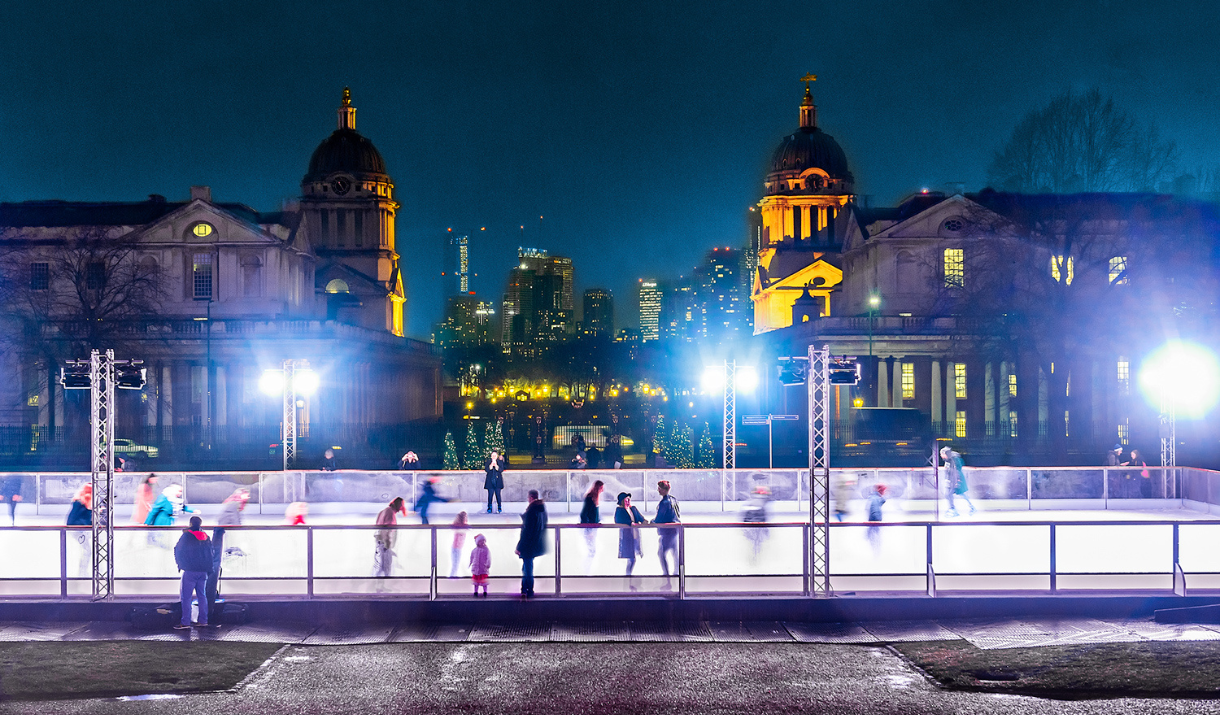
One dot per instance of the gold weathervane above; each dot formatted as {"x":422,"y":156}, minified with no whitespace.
{"x":809,"y":78}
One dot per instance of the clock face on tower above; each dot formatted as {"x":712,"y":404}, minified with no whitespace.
{"x":341,"y":185}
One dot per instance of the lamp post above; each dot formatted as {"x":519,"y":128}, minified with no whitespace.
{"x":874,"y":300}
{"x":1179,"y":378}
{"x":728,"y":377}
{"x":207,"y":371}
{"x":294,"y":378}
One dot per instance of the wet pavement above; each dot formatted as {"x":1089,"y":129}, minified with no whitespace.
{"x":573,"y":677}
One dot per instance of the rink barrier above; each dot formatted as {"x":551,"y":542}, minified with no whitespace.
{"x":271,"y":491}
{"x":756,"y":560}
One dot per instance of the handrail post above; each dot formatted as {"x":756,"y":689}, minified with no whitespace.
{"x":806,"y":578}
{"x":723,"y":475}
{"x":1054,"y":580}
{"x":681,"y":561}
{"x":38,"y":495}
{"x":558,"y":570}
{"x":260,"y":493}
{"x":309,"y":560}
{"x":432,"y":589}
{"x":63,"y":562}
{"x":1105,"y":488}
{"x":1029,"y":489}
{"x":1179,"y":575}
{"x":568,"y":489}
{"x":931,"y":573}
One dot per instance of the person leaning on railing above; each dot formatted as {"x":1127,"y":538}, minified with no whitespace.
{"x":667,"y":513}
{"x":532,"y":543}
{"x":386,"y":537}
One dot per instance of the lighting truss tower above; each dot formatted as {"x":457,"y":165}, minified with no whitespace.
{"x":101,"y":452}
{"x":1169,"y":433}
{"x":290,"y":414}
{"x":817,"y":382}
{"x":730,"y":415}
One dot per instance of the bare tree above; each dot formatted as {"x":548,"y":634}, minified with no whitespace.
{"x":85,"y":290}
{"x":1082,"y":143}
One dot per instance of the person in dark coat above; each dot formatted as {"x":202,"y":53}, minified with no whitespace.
{"x":591,"y":515}
{"x":614,"y":453}
{"x":193,"y":554}
{"x":328,"y":461}
{"x":629,"y":543}
{"x":594,"y":457}
{"x":667,"y":513}
{"x":532,"y":543}
{"x":10,"y":491}
{"x":427,"y":496}
{"x":494,"y":482}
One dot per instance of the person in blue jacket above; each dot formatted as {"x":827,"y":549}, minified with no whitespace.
{"x":427,"y":496}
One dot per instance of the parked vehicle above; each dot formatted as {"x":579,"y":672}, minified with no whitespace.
{"x":140,"y":451}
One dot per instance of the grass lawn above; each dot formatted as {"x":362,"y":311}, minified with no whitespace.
{"x":1182,"y":668}
{"x":91,"y":669}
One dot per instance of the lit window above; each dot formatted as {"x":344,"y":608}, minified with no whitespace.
{"x":1124,"y":376}
{"x":202,"y":230}
{"x":908,"y":381}
{"x":1118,"y":270}
{"x":1063,"y":269}
{"x":955,"y":268}
{"x":40,"y":276}
{"x":1012,"y":423}
{"x":1066,"y":422}
{"x":1012,"y":385}
{"x":201,"y":270}
{"x":1124,"y":432}
{"x":959,"y":424}
{"x":1067,"y":386}
{"x":338,"y":285}
{"x":959,"y":380}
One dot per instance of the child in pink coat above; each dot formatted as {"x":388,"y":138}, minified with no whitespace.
{"x":480,"y":564}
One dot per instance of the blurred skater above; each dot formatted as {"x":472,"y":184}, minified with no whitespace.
{"x":591,"y":515}
{"x":667,"y":513}
{"x":427,"y":497}
{"x":164,"y":510}
{"x":755,"y":512}
{"x":956,"y":470}
{"x":842,"y":486}
{"x":232,"y":507}
{"x":81,"y":514}
{"x":532,"y":542}
{"x":876,"y":499}
{"x":480,"y":564}
{"x":10,"y":491}
{"x":460,"y":526}
{"x":146,"y":493}
{"x":494,"y":481}
{"x":385,"y":539}
{"x":295,"y":513}
{"x":230,"y":515}
{"x":629,"y":544}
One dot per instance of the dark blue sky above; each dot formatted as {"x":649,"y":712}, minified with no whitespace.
{"x":640,"y":130}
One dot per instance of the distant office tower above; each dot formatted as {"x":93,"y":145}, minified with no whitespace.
{"x":537,"y":302}
{"x":456,"y":270}
{"x":721,"y":299}
{"x":650,"y":310}
{"x":678,"y":311}
{"x":461,"y":325}
{"x":598,"y":312}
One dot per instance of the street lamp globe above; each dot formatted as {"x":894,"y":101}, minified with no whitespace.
{"x":305,"y":382}
{"x":874,"y":300}
{"x":713,"y":378}
{"x":746,"y":379}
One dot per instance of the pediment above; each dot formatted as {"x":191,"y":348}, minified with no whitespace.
{"x":178,"y":227}
{"x":955,"y":217}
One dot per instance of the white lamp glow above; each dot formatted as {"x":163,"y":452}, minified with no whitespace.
{"x":713,"y":378}
{"x":272,"y":382}
{"x":305,"y":382}
{"x":1185,"y":376}
{"x":747,"y":378}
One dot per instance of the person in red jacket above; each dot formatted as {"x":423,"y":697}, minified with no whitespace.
{"x":193,"y":553}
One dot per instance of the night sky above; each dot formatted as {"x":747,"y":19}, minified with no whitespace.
{"x":639,"y":130}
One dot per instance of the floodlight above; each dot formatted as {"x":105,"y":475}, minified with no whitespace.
{"x":844,"y":371}
{"x":132,"y":376}
{"x":746,"y":379}
{"x":305,"y":382}
{"x":272,"y":382}
{"x":75,"y":375}
{"x":713,"y":378}
{"x":1184,"y":375}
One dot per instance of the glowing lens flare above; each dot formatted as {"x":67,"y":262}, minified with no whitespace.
{"x":1185,"y":376}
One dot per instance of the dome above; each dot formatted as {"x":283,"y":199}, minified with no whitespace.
{"x":345,"y":150}
{"x":811,"y":148}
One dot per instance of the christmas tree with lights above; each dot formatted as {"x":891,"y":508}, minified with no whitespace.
{"x":707,"y":452}
{"x":451,"y":458}
{"x":474,"y":455}
{"x":493,"y":438}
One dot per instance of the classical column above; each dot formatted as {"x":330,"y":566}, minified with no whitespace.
{"x":221,"y":396}
{"x":1044,"y":414}
{"x":167,"y":401}
{"x":938,"y":415}
{"x":1005,"y":422}
{"x":950,"y":398}
{"x":989,"y":417}
{"x":896,"y":387}
{"x":883,"y":388}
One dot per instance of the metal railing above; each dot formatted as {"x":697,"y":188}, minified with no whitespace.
{"x":743,"y":560}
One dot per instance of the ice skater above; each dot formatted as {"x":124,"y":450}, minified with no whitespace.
{"x":81,"y":514}
{"x":494,"y":481}
{"x":10,"y":491}
{"x":385,"y":539}
{"x":591,"y":516}
{"x":876,"y":499}
{"x":480,"y":564}
{"x":427,"y":497}
{"x":460,"y":524}
{"x":841,"y":494}
{"x":755,"y":512}
{"x":668,"y":512}
{"x":629,"y":546}
{"x":956,"y":471}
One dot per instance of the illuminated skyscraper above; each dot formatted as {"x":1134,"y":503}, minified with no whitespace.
{"x":456,"y":270}
{"x":537,"y":301}
{"x":598,"y":312}
{"x":650,"y":310}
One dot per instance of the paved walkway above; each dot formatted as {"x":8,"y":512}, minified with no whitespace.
{"x":985,"y":634}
